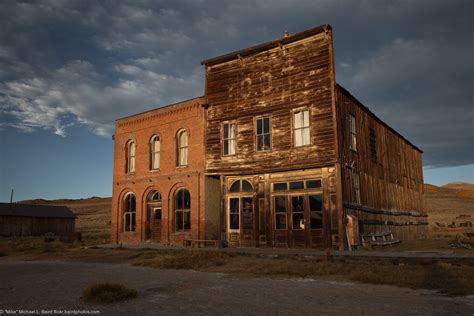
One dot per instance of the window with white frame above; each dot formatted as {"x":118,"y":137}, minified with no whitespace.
{"x":351,"y":120}
{"x":155,"y":145}
{"x":182,"y":148}
{"x":301,"y":134}
{"x":228,"y":139}
{"x":130,"y":157}
{"x":129,"y":213}
{"x":263,"y":133}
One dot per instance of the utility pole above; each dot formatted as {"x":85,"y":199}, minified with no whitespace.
{"x":11,"y":197}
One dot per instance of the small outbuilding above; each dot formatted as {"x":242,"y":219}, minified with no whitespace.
{"x":35,"y":220}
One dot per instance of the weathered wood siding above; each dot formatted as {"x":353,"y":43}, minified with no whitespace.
{"x":393,"y":180}
{"x":15,"y":226}
{"x":272,"y":82}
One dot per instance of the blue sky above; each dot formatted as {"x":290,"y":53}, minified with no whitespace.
{"x":68,"y":69}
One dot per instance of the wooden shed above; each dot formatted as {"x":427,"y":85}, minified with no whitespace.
{"x":35,"y":220}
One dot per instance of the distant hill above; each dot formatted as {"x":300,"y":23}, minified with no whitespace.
{"x":443,"y":204}
{"x":460,"y":186}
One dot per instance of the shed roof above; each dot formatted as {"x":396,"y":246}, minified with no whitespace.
{"x":29,"y":210}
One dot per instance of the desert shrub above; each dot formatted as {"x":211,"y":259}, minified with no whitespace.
{"x":107,"y":293}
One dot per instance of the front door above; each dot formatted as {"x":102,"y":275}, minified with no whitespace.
{"x":155,"y":224}
{"x":298,"y":222}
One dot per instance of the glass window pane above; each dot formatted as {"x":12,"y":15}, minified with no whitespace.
{"x":316,"y":211}
{"x":306,"y":118}
{"x":296,"y":185}
{"x":280,"y":221}
{"x":132,"y":203}
{"x":232,"y":147}
{"x":127,"y":221}
{"x":226,"y":131}
{"x":297,"y":119}
{"x":226,"y":147}
{"x":133,"y":221}
{"x":259,"y":142}
{"x":179,"y":200}
{"x":187,"y":220}
{"x":283,"y":186}
{"x":311,"y":184}
{"x":266,"y":141}
{"x":179,"y":219}
{"x":234,"y":221}
{"x":298,"y":221}
{"x":280,"y":204}
{"x":266,"y":125}
{"x":235,"y":187}
{"x":234,"y":205}
{"x":315,"y":203}
{"x":259,"y":126}
{"x":187,"y":199}
{"x":246,"y":186}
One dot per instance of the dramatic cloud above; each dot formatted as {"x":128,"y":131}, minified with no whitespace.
{"x":87,"y":62}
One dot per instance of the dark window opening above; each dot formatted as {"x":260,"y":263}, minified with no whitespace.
{"x":283,"y":186}
{"x":263,"y":134}
{"x":373,"y":144}
{"x":311,"y":184}
{"x":297,"y":212}
{"x":182,"y":210}
{"x":316,"y":211}
{"x":234,"y":213}
{"x":129,"y":213}
{"x":280,"y":212}
{"x":296,"y":185}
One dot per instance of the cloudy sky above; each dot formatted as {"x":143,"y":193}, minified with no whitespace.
{"x":68,"y":69}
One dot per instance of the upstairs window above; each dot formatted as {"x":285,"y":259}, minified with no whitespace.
{"x":373,"y":144}
{"x":263,"y":134}
{"x":182,"y":148}
{"x":228,"y":139}
{"x":155,"y":153}
{"x":355,"y":186}
{"x":129,"y":213}
{"x":130,"y":157}
{"x":301,"y":128}
{"x":351,"y":121}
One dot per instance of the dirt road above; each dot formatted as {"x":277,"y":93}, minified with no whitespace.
{"x":48,"y":286}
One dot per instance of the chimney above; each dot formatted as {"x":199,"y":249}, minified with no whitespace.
{"x":286,"y":34}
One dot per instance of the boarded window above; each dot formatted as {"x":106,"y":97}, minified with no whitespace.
{"x":182,"y":144}
{"x":301,"y":128}
{"x":280,"y":212}
{"x":316,"y":211}
{"x":182,"y":210}
{"x":155,"y":145}
{"x":263,"y":134}
{"x":130,"y":157}
{"x":228,"y":139}
{"x":129,"y":213}
{"x":352,"y":132}
{"x":373,"y":144}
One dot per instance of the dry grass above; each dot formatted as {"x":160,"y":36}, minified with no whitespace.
{"x":450,"y":277}
{"x":107,"y":293}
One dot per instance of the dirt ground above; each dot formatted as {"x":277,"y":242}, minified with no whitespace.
{"x":49,"y":286}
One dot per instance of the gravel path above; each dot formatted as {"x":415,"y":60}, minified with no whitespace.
{"x":49,"y":286}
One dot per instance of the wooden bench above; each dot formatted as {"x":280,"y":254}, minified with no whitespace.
{"x":193,"y":243}
{"x":378,"y":239}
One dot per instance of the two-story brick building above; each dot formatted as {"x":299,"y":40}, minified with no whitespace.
{"x":277,"y":155}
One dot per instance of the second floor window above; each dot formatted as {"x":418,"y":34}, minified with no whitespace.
{"x":155,"y":152}
{"x":351,"y":121}
{"x":228,"y":139}
{"x":182,"y":148}
{"x":301,"y":127}
{"x":263,"y":134}
{"x":373,"y":144}
{"x":130,"y":157}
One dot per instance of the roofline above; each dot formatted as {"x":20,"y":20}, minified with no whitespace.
{"x":158,"y":108}
{"x":365,"y":108}
{"x":265,"y":46}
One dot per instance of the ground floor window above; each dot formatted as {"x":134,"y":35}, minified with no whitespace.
{"x":182,"y":210}
{"x":280,"y":212}
{"x":316,"y":211}
{"x":240,"y":212}
{"x":297,"y":212}
{"x":129,"y":213}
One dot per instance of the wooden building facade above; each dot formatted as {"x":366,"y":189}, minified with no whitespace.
{"x":287,"y":153}
{"x":20,"y":220}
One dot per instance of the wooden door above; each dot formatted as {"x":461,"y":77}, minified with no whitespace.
{"x":156,"y":224}
{"x":247,"y":231}
{"x":298,"y":222}
{"x":280,"y":220}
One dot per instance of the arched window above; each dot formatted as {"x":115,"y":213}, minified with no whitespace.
{"x":155,"y":153}
{"x":182,"y":207}
{"x":129,"y":213}
{"x":130,"y":157}
{"x":182,"y":148}
{"x":241,"y":186}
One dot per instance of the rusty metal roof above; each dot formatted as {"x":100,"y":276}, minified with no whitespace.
{"x":30,"y":210}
